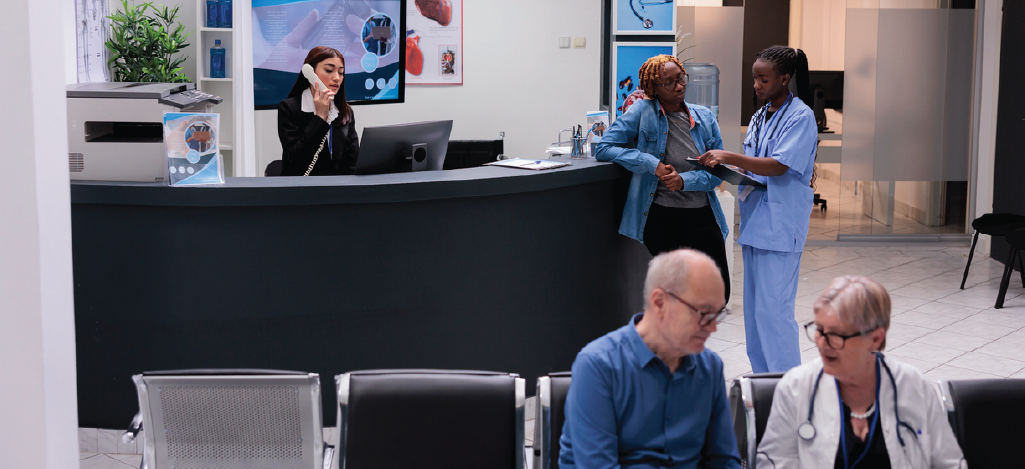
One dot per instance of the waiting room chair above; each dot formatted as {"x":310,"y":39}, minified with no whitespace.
{"x":1017,"y":241}
{"x":987,"y":419}
{"x":430,"y":419}
{"x":273,"y":169}
{"x":549,"y":417}
{"x":256,"y":419}
{"x":993,"y":224}
{"x":750,"y":403}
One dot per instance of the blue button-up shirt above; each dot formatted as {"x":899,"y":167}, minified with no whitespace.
{"x":637,"y":141}
{"x":625,"y":409}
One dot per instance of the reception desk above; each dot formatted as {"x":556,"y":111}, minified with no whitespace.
{"x":484,"y":268}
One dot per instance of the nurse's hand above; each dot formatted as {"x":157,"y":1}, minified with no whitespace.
{"x":673,"y":181}
{"x":714,"y":157}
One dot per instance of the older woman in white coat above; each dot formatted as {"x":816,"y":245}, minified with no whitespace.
{"x":854,"y":407}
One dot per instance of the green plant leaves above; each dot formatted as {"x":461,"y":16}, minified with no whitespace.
{"x":143,"y":43}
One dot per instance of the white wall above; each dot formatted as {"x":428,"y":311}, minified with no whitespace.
{"x":819,"y":28}
{"x":516,"y":79}
{"x":982,"y":186}
{"x":38,"y":405}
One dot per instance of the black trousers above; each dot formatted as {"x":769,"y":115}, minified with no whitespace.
{"x":671,"y":228}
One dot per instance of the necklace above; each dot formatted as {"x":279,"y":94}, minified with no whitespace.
{"x":868,"y":413}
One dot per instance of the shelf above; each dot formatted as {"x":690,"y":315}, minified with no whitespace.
{"x":215,"y":79}
{"x":226,"y":146}
{"x":204,"y":29}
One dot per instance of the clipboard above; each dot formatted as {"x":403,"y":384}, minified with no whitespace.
{"x":726,"y":174}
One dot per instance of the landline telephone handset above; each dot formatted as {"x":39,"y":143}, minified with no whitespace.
{"x":312,"y":76}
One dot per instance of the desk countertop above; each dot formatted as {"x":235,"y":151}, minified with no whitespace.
{"x":326,"y":190}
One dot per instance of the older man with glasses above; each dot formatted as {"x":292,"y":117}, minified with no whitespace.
{"x":649,"y":395}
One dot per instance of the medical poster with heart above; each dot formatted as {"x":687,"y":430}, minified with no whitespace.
{"x":434,"y":42}
{"x":190,"y":143}
{"x":644,"y":16}
{"x":627,"y":58}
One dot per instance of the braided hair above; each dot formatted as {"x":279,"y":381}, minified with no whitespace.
{"x":650,"y":73}
{"x":793,"y":62}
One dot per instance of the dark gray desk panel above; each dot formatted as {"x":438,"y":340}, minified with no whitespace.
{"x":514,"y":281}
{"x":327,"y":190}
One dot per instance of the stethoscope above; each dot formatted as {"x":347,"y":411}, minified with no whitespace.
{"x":646,"y":21}
{"x":807,"y":429}
{"x":760,"y":116}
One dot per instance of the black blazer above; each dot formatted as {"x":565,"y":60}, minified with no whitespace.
{"x":301,"y":133}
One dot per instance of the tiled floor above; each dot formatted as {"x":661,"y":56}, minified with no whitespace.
{"x":944,"y":332}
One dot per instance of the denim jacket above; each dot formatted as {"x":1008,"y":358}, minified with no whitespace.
{"x":636,"y":137}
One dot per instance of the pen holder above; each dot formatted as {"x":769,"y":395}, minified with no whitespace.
{"x":578,"y":148}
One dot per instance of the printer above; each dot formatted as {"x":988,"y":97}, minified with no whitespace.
{"x":115,"y":129}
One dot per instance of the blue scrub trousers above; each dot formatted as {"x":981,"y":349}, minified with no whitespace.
{"x":770,"y":289}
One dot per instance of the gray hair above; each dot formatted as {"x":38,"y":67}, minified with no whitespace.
{"x":669,"y":270}
{"x":858,"y":301}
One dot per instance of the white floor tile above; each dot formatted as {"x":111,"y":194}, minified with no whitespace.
{"x":949,"y":310}
{"x":988,"y":364}
{"x":1000,"y":318}
{"x":87,"y":440}
{"x":133,"y":460}
{"x":106,"y":441}
{"x":926,"y":352}
{"x":947,"y":372}
{"x":735,"y":368}
{"x":1006,"y":349}
{"x":920,"y":319}
{"x":953,"y":340}
{"x":975,"y":328}
{"x":102,"y":461}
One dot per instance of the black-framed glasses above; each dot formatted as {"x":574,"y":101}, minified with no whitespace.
{"x":683,"y":80}
{"x":833,"y":340}
{"x":706,"y":317}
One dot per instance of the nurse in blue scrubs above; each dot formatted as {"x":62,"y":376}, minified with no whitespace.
{"x":779,"y":151}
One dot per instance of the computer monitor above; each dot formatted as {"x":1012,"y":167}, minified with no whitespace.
{"x":827,"y":92}
{"x":419,"y":146}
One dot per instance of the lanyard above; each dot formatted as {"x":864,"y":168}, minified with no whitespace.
{"x":330,"y":141}
{"x":760,"y":122}
{"x":872,"y":430}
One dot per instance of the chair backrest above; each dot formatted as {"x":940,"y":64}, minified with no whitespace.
{"x":549,"y":417}
{"x":987,"y":416}
{"x":256,"y":419}
{"x":750,"y":403}
{"x":273,"y":168}
{"x":472,"y":153}
{"x":430,"y":418}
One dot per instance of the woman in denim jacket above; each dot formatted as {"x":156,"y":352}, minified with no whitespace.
{"x":670,"y":204}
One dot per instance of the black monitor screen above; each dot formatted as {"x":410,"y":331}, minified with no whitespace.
{"x":369,"y":33}
{"x":831,"y":84}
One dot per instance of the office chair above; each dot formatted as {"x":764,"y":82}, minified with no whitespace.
{"x":257,"y":419}
{"x":549,"y":417}
{"x":750,"y":403}
{"x":430,"y":418}
{"x":987,"y":415}
{"x":273,"y":168}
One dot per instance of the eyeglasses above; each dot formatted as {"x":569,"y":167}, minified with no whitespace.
{"x":683,"y":80}
{"x":833,"y":340}
{"x":706,"y":317}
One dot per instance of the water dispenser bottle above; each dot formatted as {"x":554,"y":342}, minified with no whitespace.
{"x":703,"y":86}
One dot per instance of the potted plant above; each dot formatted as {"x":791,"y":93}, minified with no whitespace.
{"x":143,"y":42}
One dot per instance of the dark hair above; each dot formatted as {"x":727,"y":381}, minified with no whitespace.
{"x":316,"y":56}
{"x":790,"y":61}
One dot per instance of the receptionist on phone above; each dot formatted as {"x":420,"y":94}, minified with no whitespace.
{"x":316,"y":126}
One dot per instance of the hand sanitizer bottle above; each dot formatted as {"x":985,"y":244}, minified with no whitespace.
{"x":217,"y":60}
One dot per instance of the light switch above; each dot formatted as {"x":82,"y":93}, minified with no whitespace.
{"x":563,"y":43}
{"x":579,"y":42}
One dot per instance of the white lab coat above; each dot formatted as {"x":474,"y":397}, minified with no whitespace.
{"x":781,"y":448}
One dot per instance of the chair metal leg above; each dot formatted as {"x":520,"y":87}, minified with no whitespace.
{"x":1006,"y":278}
{"x":1021,"y":270}
{"x":970,"y":254}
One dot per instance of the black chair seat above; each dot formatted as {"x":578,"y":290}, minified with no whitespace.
{"x":993,"y":224}
{"x":751,"y":405}
{"x":998,"y":224}
{"x":987,"y":420}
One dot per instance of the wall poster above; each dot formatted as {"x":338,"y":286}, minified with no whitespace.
{"x":644,"y":17}
{"x":434,"y":42}
{"x":627,"y":58}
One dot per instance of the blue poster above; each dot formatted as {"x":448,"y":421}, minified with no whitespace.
{"x":627,"y":60}
{"x":645,"y":17}
{"x":193,"y":154}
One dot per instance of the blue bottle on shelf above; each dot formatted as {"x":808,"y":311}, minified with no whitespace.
{"x":217,"y":60}
{"x":225,"y":13}
{"x":213,"y":14}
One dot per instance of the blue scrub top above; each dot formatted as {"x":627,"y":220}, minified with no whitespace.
{"x":776,"y":218}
